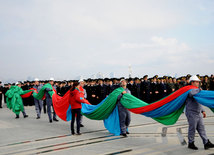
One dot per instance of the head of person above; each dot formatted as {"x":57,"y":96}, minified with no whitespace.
{"x":170,"y":80}
{"x":136,"y":81}
{"x":206,"y":79}
{"x":36,"y":81}
{"x":100,"y":82}
{"x":145,"y":78}
{"x":76,"y":84}
{"x":123,"y":83}
{"x":18,"y":84}
{"x":131,"y":81}
{"x":81,"y":82}
{"x":110,"y":82}
{"x":51,"y":81}
{"x":194,"y":81}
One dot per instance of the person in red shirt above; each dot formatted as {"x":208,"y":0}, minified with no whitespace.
{"x":75,"y":101}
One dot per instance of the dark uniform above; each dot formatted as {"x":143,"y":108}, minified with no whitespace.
{"x":101,"y":92}
{"x":162,"y":88}
{"x":170,"y":88}
{"x":1,"y":93}
{"x":49,"y":105}
{"x":136,"y":90}
{"x":92,"y":96}
{"x":155,"y":93}
{"x":145,"y":91}
{"x":5,"y":89}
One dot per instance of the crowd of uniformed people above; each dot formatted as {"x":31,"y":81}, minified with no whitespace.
{"x":146,"y":89}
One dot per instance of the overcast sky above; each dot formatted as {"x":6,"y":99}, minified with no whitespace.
{"x":65,"y":39}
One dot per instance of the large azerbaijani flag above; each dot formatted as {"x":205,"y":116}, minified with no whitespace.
{"x":165,"y":111}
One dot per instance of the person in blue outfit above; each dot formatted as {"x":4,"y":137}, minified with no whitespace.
{"x":124,"y":114}
{"x":38,"y":103}
{"x":49,"y":102}
{"x":194,"y":113}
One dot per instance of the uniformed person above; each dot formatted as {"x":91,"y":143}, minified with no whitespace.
{"x":145,"y":89}
{"x":101,"y":90}
{"x":92,"y":95}
{"x":124,"y":114}
{"x":130,"y":86}
{"x":154,"y":90}
{"x":38,"y":103}
{"x":49,"y":102}
{"x":206,"y":84}
{"x":162,"y":88}
{"x":136,"y":87}
{"x":1,"y":92}
{"x":170,"y":86}
{"x":194,"y":117}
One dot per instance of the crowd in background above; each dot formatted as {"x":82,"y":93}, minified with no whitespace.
{"x":146,"y":89}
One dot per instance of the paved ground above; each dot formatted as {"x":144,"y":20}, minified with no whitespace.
{"x":32,"y":136}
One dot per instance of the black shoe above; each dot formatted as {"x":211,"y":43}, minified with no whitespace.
{"x":25,"y":116}
{"x":50,"y":121}
{"x":1,"y":107}
{"x":72,"y":132}
{"x":192,"y":146}
{"x":208,"y":145}
{"x":17,"y":117}
{"x":81,"y":125}
{"x":79,"y":133}
{"x":56,"y":120}
{"x":37,"y":117}
{"x":127,"y":132}
{"x":124,"y":135}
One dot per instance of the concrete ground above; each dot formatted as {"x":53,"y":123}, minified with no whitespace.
{"x":31,"y":136}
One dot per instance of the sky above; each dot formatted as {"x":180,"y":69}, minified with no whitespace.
{"x":66,"y":39}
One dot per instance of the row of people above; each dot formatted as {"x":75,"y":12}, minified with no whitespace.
{"x":78,"y":95}
{"x":146,"y":89}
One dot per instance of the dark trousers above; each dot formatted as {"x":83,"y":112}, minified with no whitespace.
{"x":0,"y":100}
{"x":44,"y":106}
{"x":77,"y":113}
{"x":5,"y":98}
{"x":23,"y":112}
{"x":49,"y":105}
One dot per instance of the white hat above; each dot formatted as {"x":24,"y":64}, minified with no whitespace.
{"x":122,"y":80}
{"x":51,"y":79}
{"x":36,"y":79}
{"x":81,"y":80}
{"x":194,"y":78}
{"x":17,"y":83}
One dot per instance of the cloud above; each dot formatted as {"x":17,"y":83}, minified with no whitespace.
{"x":166,"y":56}
{"x":66,"y":39}
{"x":171,"y":45}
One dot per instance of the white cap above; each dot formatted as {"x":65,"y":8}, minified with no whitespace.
{"x":51,"y":79}
{"x":17,"y":83}
{"x":81,"y":80}
{"x":194,"y":78}
{"x":36,"y":79}
{"x":122,"y":80}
